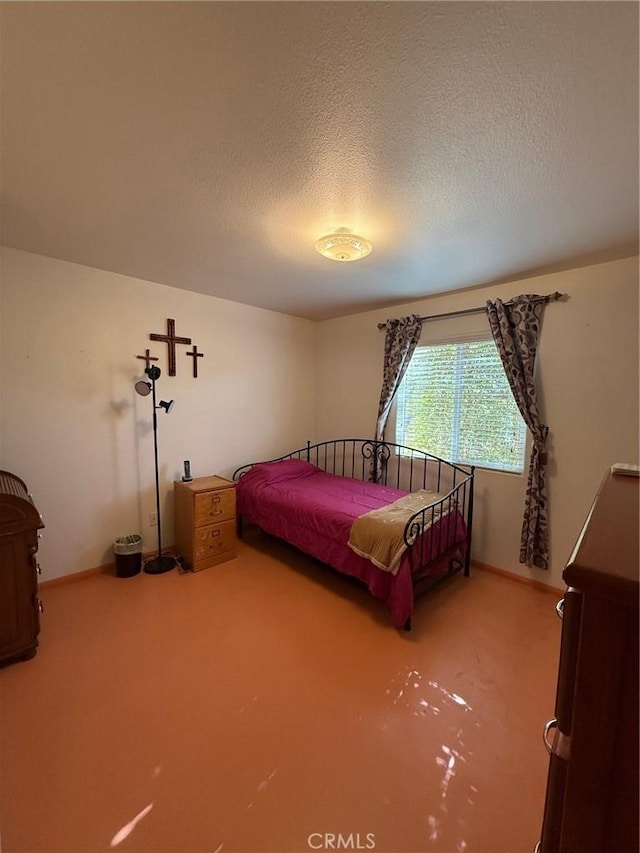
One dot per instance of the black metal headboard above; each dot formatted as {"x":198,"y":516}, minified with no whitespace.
{"x":382,"y":462}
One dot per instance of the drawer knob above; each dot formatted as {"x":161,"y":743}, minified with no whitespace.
{"x":38,"y":569}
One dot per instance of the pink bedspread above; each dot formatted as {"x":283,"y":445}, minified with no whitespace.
{"x":314,"y":511}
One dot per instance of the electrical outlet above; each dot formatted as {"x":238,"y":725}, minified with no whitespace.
{"x":153,"y":519}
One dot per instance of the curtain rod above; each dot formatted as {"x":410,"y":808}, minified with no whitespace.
{"x":551,"y":297}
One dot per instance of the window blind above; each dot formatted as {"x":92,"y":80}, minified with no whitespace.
{"x":455,"y":402}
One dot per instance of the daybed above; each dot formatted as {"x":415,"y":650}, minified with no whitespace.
{"x":396,"y":518}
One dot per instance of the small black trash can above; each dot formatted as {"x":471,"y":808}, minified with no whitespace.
{"x":128,"y":554}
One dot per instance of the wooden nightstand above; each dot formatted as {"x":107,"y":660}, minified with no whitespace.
{"x":205,"y":511}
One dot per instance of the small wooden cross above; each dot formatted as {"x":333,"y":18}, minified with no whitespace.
{"x":148,"y":358}
{"x":171,"y":340}
{"x":195,"y":355}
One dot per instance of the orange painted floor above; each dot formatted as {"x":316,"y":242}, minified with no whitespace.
{"x":269,"y":705}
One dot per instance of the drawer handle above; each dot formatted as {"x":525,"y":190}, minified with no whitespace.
{"x":38,"y":569}
{"x":40,"y":605}
{"x":215,"y":533}
{"x":537,"y":848}
{"x":215,"y":499}
{"x":552,"y":724}
{"x":560,"y":608}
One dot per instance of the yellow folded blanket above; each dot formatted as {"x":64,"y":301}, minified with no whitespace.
{"x":378,"y":535}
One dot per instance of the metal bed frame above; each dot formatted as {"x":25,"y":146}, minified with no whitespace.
{"x":402,"y":467}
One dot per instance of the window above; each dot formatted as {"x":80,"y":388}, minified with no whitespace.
{"x":455,"y":402}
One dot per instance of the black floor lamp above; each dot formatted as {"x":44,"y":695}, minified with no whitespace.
{"x":158,"y":564}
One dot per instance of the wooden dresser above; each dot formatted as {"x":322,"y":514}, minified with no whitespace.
{"x":19,"y":603}
{"x":205,"y":512}
{"x":592,"y":790}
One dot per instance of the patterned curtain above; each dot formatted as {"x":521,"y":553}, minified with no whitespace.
{"x":400,"y":342}
{"x":516,"y":329}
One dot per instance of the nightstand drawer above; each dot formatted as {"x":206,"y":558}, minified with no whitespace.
{"x":214,"y":539}
{"x":214,"y":506}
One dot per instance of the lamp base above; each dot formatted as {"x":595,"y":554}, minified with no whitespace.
{"x":159,"y":565}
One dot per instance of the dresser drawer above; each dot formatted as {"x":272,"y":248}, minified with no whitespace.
{"x":214,"y":506}
{"x":213,"y":540}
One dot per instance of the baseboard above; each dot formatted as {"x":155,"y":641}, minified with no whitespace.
{"x":109,"y":568}
{"x":543,"y":587}
{"x":106,"y":569}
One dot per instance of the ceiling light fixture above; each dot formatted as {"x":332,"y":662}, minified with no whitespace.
{"x":343,"y":245}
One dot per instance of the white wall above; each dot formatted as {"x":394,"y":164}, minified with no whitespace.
{"x":1,"y":420}
{"x":588,"y":373}
{"x":74,"y":429}
{"x":76,"y":432}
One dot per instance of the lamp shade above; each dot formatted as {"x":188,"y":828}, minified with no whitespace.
{"x":343,"y":245}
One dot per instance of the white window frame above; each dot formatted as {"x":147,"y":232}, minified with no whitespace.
{"x":461,"y":338}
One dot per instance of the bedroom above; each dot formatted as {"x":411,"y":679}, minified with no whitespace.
{"x":95,"y":259}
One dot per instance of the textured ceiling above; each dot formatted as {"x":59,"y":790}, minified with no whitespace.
{"x":208,"y":145}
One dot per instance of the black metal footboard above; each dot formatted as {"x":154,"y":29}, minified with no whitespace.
{"x":433,"y":531}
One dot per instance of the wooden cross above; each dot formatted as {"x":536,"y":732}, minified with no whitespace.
{"x":171,"y":341}
{"x":148,"y":358}
{"x":195,"y":355}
